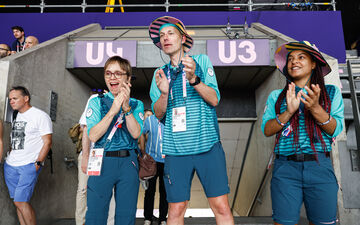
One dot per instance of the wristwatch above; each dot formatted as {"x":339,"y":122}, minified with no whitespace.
{"x":128,"y":112}
{"x":197,"y":81}
{"x":39,"y":163}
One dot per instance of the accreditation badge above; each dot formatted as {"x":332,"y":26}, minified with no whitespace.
{"x":95,"y":162}
{"x":179,"y":119}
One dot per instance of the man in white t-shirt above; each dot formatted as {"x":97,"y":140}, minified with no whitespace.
{"x":80,"y":209}
{"x":31,"y":135}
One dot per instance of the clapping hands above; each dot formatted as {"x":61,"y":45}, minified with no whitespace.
{"x":310,"y":100}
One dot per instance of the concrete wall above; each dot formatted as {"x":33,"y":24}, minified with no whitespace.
{"x":54,"y":195}
{"x":258,"y":154}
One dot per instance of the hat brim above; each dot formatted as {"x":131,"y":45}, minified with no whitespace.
{"x":282,"y":52}
{"x":154,"y":31}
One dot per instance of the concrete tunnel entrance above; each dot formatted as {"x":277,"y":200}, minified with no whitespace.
{"x":242,"y":65}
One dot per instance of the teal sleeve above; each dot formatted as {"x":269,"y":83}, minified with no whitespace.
{"x":269,"y":111}
{"x":139,"y":114}
{"x":93,"y":114}
{"x":154,"y":92}
{"x":209,"y":73}
{"x":337,"y":112}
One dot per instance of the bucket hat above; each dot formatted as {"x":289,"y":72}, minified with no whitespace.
{"x":154,"y":31}
{"x":281,"y":55}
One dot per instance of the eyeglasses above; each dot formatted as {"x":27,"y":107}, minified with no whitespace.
{"x":97,"y":90}
{"x":117,"y":74}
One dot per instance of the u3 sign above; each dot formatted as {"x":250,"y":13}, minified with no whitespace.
{"x":240,"y":52}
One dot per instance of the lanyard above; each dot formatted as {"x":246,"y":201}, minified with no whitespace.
{"x":160,"y":139}
{"x":118,"y":124}
{"x":159,"y":130}
{"x":183,"y":83}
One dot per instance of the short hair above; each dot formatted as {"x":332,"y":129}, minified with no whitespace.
{"x":7,"y":47}
{"x":24,"y":91}
{"x":17,"y":28}
{"x":123,"y":63}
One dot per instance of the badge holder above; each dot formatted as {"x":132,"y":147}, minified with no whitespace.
{"x":179,"y":119}
{"x":178,"y":113}
{"x":97,"y":154}
{"x":95,"y":162}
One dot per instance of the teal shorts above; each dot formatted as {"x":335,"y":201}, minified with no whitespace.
{"x":312,"y":183}
{"x":210,"y":168}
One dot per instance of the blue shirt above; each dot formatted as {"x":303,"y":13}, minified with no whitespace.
{"x":154,"y":128}
{"x":201,"y":120}
{"x":285,"y":145}
{"x":122,"y":139}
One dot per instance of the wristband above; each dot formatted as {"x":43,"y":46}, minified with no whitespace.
{"x":324,"y":123}
{"x":279,"y":122}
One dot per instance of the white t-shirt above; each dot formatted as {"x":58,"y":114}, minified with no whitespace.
{"x":82,"y":120}
{"x":26,"y":141}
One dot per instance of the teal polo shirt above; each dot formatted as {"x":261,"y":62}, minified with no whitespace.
{"x":285,"y":145}
{"x":122,"y":139}
{"x":201,"y":120}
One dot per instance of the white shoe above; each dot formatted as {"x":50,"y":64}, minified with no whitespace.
{"x":147,"y":222}
{"x":163,"y":223}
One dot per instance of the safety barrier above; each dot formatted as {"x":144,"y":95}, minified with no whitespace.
{"x":250,"y":5}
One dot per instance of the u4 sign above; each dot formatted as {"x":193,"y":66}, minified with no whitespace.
{"x":242,"y":52}
{"x":95,"y":53}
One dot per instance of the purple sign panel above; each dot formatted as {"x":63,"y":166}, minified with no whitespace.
{"x":240,"y":52}
{"x":95,"y":53}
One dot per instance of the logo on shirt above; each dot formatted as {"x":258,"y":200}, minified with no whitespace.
{"x":18,"y":135}
{"x":210,"y":71}
{"x":89,"y":112}
{"x":141,"y":115}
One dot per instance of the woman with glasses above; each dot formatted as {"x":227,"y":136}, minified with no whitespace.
{"x":115,"y":123}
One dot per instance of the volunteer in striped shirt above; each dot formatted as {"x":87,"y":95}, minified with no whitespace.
{"x":305,"y":117}
{"x":184,"y":95}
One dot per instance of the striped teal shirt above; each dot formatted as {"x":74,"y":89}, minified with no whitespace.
{"x":122,"y":138}
{"x":285,"y":145}
{"x":201,"y":121}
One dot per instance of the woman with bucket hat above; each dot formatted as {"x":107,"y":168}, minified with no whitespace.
{"x":305,"y":117}
{"x":184,"y":94}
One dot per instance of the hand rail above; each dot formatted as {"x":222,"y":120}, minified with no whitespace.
{"x":249,"y":5}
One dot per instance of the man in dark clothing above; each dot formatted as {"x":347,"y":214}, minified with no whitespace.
{"x":18,"y":44}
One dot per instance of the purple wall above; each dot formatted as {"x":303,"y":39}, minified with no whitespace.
{"x":324,"y":28}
